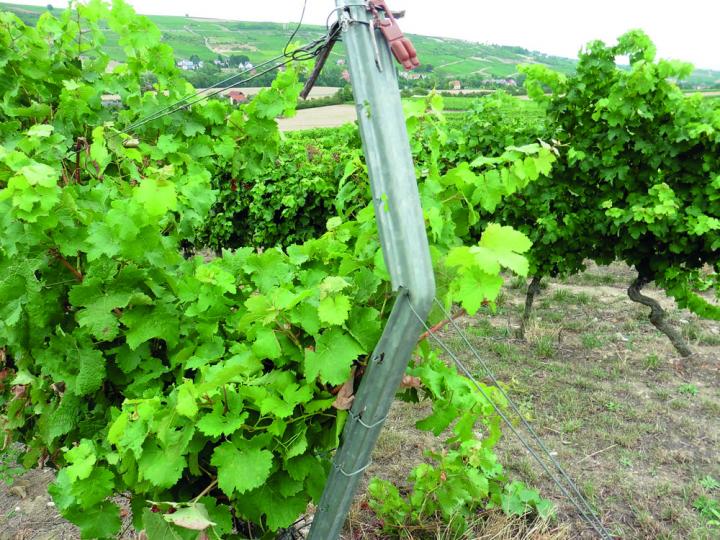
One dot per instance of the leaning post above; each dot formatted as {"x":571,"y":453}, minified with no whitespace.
{"x":405,"y":249}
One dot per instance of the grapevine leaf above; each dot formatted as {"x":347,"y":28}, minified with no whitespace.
{"x":219,"y":514}
{"x":91,"y":371}
{"x":266,"y":344}
{"x":285,"y":511}
{"x":162,"y":468}
{"x":101,"y":521}
{"x":157,"y":528}
{"x":472,"y":289}
{"x":82,"y":459}
{"x":194,"y":517}
{"x":94,"y":489}
{"x":334,"y":309}
{"x":186,"y":404}
{"x":332,"y":358}
{"x":157,"y":196}
{"x":145,"y":323}
{"x":65,"y":417}
{"x":231,"y":458}
{"x":217,"y":423}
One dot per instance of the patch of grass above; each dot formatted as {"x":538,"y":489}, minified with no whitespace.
{"x":628,"y":327}
{"x":545,"y":347}
{"x":679,"y":404}
{"x":708,"y":339}
{"x":591,"y":341}
{"x":482,"y":328}
{"x":507,"y":351}
{"x":688,"y":389}
{"x":552,"y":316}
{"x":711,"y":408}
{"x":563,"y":296}
{"x":709,"y":483}
{"x":526,"y":469}
{"x":652,"y":361}
{"x":588,"y":278}
{"x":691,"y":330}
{"x":612,"y":406}
{"x":709,"y":509}
{"x":572,"y":425}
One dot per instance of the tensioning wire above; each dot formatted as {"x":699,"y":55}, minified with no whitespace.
{"x":181,"y":102}
{"x":306,"y":52}
{"x":586,"y":513}
{"x":297,"y":28}
{"x":196,"y":98}
{"x":516,"y":410}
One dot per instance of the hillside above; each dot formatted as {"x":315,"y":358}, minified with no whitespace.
{"x":208,"y":38}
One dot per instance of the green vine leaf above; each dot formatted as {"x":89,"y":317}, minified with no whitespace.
{"x":231,"y":457}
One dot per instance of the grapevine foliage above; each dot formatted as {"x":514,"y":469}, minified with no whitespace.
{"x":466,"y":475}
{"x":638,"y":177}
{"x":202,"y":387}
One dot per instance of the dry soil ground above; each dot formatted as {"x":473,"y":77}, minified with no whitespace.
{"x":319,"y":117}
{"x":635,"y":426}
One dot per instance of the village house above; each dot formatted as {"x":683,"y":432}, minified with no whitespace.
{"x":189,"y":65}
{"x":236,"y":97}
{"x":412,"y":76}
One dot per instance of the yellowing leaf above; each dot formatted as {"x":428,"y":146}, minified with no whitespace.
{"x":186,"y":404}
{"x":156,"y":195}
{"x":334,"y":309}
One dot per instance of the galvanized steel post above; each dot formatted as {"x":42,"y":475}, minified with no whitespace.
{"x":405,"y":249}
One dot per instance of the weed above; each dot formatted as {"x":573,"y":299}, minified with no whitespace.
{"x":709,"y":509}
{"x":506,"y":351}
{"x":573,"y":425}
{"x":553,"y":316}
{"x":545,"y":347}
{"x":691,"y":331}
{"x":710,"y":483}
{"x":652,"y":361}
{"x":563,"y":296}
{"x":711,"y":408}
{"x":591,"y":341}
{"x":688,"y":389}
{"x":710,"y":340}
{"x":482,"y":328}
{"x":613,"y":406}
{"x":9,"y":469}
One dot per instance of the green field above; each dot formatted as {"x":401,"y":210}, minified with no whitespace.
{"x":261,"y":41}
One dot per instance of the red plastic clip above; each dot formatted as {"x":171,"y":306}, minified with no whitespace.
{"x":401,"y":46}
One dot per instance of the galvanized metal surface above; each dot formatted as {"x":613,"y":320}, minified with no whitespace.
{"x":406,"y":252}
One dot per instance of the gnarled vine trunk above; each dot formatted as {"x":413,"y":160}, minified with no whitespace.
{"x":532,"y":291}
{"x":657,"y":315}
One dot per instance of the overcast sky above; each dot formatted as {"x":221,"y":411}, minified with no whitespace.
{"x":685,"y":30}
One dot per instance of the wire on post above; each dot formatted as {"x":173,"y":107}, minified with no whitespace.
{"x":355,"y":473}
{"x":306,"y":52}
